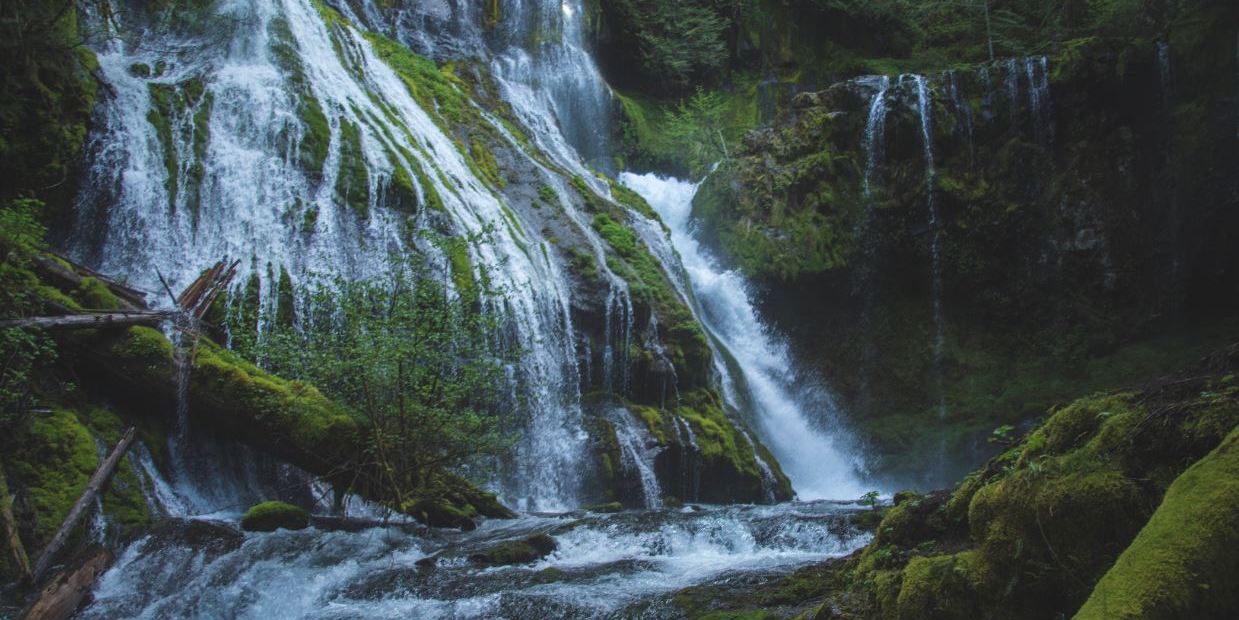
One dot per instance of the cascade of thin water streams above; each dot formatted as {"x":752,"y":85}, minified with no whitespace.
{"x":875,"y":136}
{"x":962,"y":110}
{"x":925,"y":110}
{"x":1163,"y":73}
{"x":252,"y":176}
{"x":819,"y":462}
{"x":1038,"y":73}
{"x":637,"y":452}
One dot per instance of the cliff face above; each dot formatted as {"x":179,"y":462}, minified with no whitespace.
{"x":959,"y":251}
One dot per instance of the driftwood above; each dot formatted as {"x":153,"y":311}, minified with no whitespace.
{"x":89,"y":321}
{"x":83,"y":503}
{"x":64,"y":594}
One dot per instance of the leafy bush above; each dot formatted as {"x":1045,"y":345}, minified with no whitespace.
{"x":412,"y":358}
{"x":22,"y":353}
{"x":695,"y":129}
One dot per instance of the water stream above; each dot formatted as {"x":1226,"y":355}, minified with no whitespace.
{"x":162,"y":198}
{"x":795,"y":415}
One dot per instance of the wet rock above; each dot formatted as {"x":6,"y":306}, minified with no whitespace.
{"x":512,"y":552}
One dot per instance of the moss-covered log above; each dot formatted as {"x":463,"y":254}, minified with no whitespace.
{"x":238,"y":401}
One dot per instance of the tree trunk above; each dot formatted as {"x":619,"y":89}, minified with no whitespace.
{"x":61,"y":598}
{"x":12,"y":540}
{"x":90,"y":321}
{"x":79,"y":509}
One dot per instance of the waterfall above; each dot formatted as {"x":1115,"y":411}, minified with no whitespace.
{"x":818,"y":459}
{"x":555,"y":88}
{"x":637,"y":452}
{"x":1163,"y":73}
{"x":1038,"y":72}
{"x":875,"y":134}
{"x":963,"y":111}
{"x":250,"y":181}
{"x":925,"y":110}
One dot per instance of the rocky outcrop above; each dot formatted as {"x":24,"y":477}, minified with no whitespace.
{"x":1060,"y":520}
{"x":1067,"y":236}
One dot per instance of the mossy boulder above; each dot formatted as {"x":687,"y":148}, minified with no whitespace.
{"x":511,"y":552}
{"x":272,"y":516}
{"x":1183,"y":563}
{"x":1066,"y":508}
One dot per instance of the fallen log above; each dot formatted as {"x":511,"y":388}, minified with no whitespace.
{"x":64,"y":594}
{"x":91,"y":321}
{"x":83,"y":503}
{"x":12,"y":539}
{"x":72,"y":276}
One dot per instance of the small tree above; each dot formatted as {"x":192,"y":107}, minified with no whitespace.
{"x":412,"y":358}
{"x":695,"y":129}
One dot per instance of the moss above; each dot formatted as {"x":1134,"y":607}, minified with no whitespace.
{"x":462,"y":268}
{"x":938,"y":587}
{"x":607,"y":508}
{"x":123,"y":499}
{"x":485,"y":162}
{"x":353,"y":179}
{"x":93,"y":294}
{"x":546,"y":194}
{"x":1182,"y":563}
{"x":511,"y":552}
{"x":286,"y":306}
{"x":160,"y":117}
{"x":271,"y":516}
{"x":56,"y":461}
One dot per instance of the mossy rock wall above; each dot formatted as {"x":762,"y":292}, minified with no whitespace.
{"x":1078,"y":233}
{"x":1063,"y":517}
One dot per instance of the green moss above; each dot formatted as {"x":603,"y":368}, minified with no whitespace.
{"x":609,"y":507}
{"x":93,"y":294}
{"x":938,"y":587}
{"x":511,"y":552}
{"x":123,"y":500}
{"x":160,"y":117}
{"x":271,"y":516}
{"x":485,"y":162}
{"x":1182,"y":563}
{"x":546,"y":194}
{"x":56,"y":461}
{"x":353,"y":180}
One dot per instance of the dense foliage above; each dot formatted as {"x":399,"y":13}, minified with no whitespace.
{"x":22,"y":352}
{"x":412,"y":357}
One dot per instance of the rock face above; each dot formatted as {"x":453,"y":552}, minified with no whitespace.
{"x":960,"y":251}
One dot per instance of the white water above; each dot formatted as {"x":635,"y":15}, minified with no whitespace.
{"x":793,"y":413}
{"x":925,"y":110}
{"x":622,"y":565}
{"x":254,"y":185}
{"x":875,"y":136}
{"x":637,"y":452}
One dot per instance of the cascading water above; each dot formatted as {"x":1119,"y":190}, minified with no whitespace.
{"x":637,"y":452}
{"x":820,"y":463}
{"x":252,"y":176}
{"x":182,"y":201}
{"x":609,"y":566}
{"x":875,"y":136}
{"x":925,"y":110}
